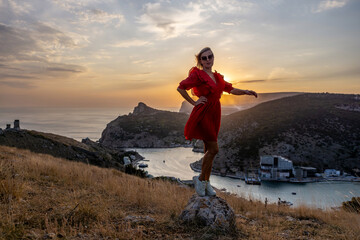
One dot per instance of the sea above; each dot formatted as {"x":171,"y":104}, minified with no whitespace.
{"x":80,"y":123}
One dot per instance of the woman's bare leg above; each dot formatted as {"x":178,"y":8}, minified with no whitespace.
{"x":211,"y":150}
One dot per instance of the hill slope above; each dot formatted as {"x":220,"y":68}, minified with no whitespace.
{"x":86,"y":151}
{"x":42,"y":197}
{"x":310,"y":129}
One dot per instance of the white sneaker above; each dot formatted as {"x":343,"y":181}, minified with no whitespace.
{"x":209,"y":190}
{"x":199,"y":186}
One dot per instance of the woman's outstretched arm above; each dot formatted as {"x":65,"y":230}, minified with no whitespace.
{"x":201,"y":100}
{"x":237,"y":91}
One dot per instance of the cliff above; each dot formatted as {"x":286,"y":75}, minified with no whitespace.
{"x":145,"y":127}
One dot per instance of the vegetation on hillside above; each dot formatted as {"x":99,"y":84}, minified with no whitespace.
{"x":43,"y":197}
{"x":309,"y":129}
{"x":64,"y":147}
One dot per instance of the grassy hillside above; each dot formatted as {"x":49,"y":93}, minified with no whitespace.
{"x":43,"y":197}
{"x":64,"y":147}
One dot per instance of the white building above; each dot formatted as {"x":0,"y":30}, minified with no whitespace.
{"x":331,"y":173}
{"x":275,"y":167}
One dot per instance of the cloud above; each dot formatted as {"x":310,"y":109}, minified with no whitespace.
{"x":100,"y":16}
{"x":250,"y":81}
{"x":28,"y":54}
{"x":131,"y":43}
{"x":11,"y":76}
{"x":17,"y":84}
{"x":33,"y":43}
{"x":59,"y":69}
{"x":329,"y":4}
{"x":21,"y":8}
{"x":170,"y":22}
{"x":228,"y":23}
{"x":87,"y":13}
{"x":280,"y":73}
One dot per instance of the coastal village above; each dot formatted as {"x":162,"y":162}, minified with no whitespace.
{"x":281,"y":169}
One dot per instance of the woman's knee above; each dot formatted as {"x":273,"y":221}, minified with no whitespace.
{"x":213,"y":150}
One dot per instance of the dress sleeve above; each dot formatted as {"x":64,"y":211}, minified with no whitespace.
{"x":190,"y":82}
{"x":228,"y":87}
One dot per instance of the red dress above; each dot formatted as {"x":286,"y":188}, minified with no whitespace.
{"x":204,"y":120}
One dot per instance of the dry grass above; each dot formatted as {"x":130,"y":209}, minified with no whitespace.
{"x":46,"y":197}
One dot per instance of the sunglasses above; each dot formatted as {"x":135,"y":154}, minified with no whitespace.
{"x":204,"y":58}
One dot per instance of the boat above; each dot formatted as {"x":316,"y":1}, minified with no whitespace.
{"x":252,"y":180}
{"x":252,"y":177}
{"x":284,"y":203}
{"x":143,"y":165}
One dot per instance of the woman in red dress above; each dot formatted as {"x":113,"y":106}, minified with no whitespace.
{"x":204,"y":120}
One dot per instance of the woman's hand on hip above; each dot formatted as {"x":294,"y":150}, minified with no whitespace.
{"x":201,"y":100}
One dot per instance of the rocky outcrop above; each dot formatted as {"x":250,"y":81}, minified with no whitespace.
{"x":146,"y":128}
{"x":185,"y":107}
{"x":212,"y":212}
{"x":143,"y":109}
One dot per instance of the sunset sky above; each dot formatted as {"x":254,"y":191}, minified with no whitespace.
{"x":115,"y":53}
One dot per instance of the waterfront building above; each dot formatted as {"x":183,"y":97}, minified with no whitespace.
{"x":304,"y":172}
{"x":331,"y":173}
{"x":274,"y":167}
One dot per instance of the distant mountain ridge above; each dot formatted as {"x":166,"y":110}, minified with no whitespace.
{"x":231,"y":103}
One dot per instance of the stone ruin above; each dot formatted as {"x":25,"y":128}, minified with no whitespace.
{"x":16,"y":125}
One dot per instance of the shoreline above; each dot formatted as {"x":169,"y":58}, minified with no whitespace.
{"x":292,"y":180}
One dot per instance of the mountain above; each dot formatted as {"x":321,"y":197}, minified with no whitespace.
{"x":145,"y":127}
{"x":231,"y":103}
{"x":318,"y":130}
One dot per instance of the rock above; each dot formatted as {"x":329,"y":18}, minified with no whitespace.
{"x":126,"y":160}
{"x":142,"y":108}
{"x":185,"y":107}
{"x":1,"y":132}
{"x":212,"y":212}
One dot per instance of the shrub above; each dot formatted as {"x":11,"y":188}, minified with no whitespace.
{"x":353,"y":205}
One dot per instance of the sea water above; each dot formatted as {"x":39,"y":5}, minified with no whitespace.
{"x":79,"y":123}
{"x":176,"y":162}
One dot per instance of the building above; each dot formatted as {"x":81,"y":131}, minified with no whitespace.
{"x":275,"y":167}
{"x":304,"y":172}
{"x":331,"y":173}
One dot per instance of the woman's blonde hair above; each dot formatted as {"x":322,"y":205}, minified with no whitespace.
{"x":198,"y":57}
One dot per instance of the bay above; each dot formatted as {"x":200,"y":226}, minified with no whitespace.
{"x":176,"y":162}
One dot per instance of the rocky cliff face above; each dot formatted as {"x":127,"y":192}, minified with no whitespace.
{"x":145,"y":127}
